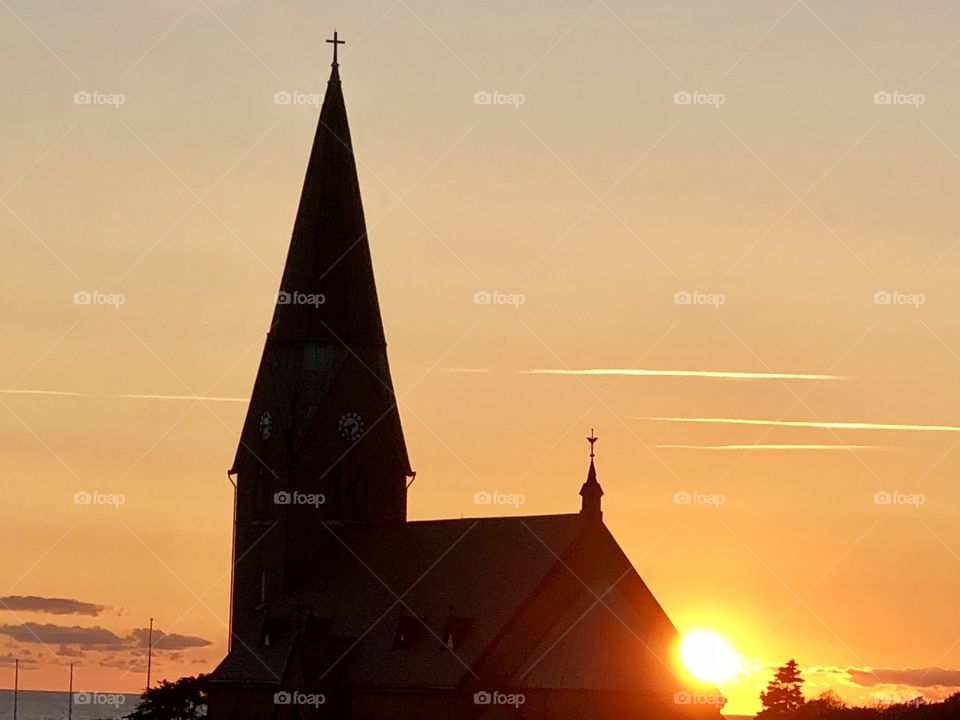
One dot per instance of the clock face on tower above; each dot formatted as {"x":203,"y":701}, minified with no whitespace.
{"x":350,"y":426}
{"x":266,"y":425}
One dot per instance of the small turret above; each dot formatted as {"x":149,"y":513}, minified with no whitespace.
{"x":591,"y":492}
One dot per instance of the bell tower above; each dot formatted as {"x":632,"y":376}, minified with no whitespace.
{"x":322,"y":443}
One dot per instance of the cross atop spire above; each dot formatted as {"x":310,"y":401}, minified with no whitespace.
{"x":592,"y":439}
{"x":336,"y":41}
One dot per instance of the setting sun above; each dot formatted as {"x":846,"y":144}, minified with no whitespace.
{"x":708,"y":656}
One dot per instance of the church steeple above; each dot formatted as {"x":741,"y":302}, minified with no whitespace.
{"x":322,"y":440}
{"x":590,"y":491}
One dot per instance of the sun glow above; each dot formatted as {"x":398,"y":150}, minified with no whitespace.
{"x":708,"y":656}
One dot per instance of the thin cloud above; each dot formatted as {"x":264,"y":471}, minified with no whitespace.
{"x":51,"y":606}
{"x":710,"y":374}
{"x":772,"y":447}
{"x":96,"y":638}
{"x":806,"y":424}
{"x":914,"y":677}
{"x":47,"y":634}
{"x":127,"y":396}
{"x":163,"y":641}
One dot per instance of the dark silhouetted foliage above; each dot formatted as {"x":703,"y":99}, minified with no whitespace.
{"x":783,"y":700}
{"x":783,"y":696}
{"x":185,"y":699}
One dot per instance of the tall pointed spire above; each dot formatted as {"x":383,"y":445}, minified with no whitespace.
{"x":590,"y":491}
{"x":329,"y":257}
{"x":322,"y":440}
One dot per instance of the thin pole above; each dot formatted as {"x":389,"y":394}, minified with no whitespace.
{"x":149,"y":652}
{"x":16,"y":686}
{"x":70,"y":696}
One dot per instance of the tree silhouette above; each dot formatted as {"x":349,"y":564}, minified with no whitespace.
{"x":185,"y":699}
{"x":783,"y":696}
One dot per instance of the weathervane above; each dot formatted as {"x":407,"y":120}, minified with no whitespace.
{"x":592,"y":439}
{"x":336,"y":41}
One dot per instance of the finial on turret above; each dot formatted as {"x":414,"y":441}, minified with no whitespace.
{"x":591,"y":492}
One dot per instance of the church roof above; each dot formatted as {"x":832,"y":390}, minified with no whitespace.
{"x":386,"y":596}
{"x":479,"y":570}
{"x":600,"y":645}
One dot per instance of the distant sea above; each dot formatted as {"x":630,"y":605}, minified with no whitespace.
{"x":43,"y":705}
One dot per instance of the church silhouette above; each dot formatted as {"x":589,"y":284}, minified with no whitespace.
{"x":340,"y":607}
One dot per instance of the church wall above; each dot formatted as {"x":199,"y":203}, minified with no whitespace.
{"x":240,"y":703}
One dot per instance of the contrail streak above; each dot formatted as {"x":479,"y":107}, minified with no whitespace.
{"x":807,"y":424}
{"x":66,"y":393}
{"x":713,"y":374}
{"x":772,"y":447}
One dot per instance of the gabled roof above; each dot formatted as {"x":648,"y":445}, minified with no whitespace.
{"x":386,"y":594}
{"x":478,"y":570}
{"x":602,"y":644}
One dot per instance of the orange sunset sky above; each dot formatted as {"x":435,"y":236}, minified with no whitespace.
{"x":701,"y":213}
